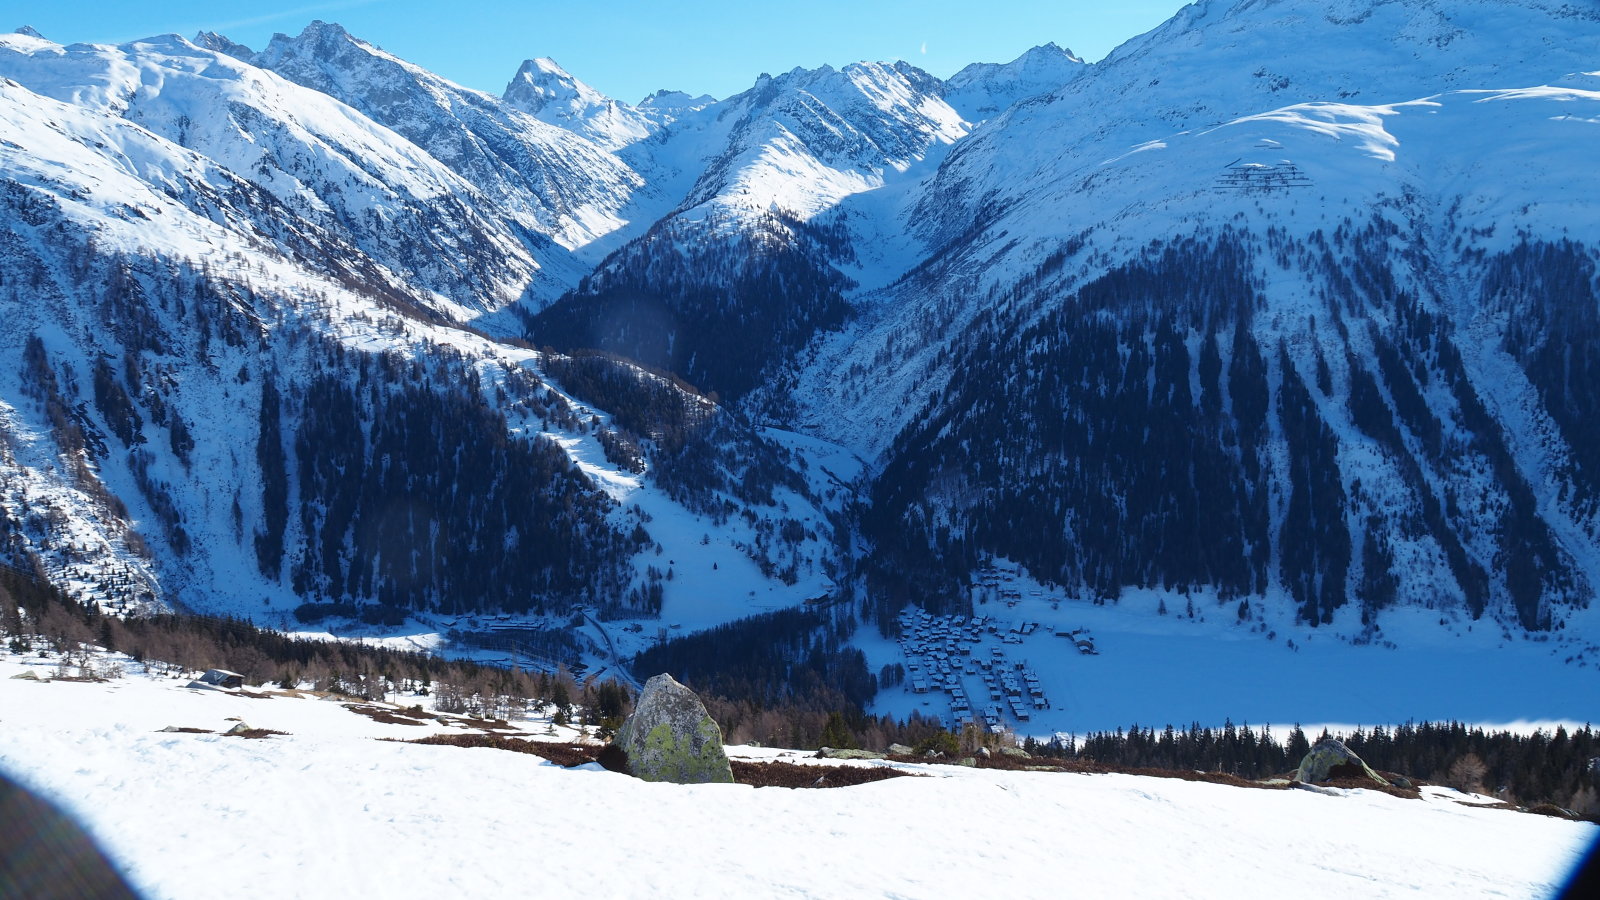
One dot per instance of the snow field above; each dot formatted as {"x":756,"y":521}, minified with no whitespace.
{"x":1157,"y":670}
{"x":328,"y":811}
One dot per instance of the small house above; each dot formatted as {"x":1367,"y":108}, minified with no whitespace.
{"x":218,"y":680}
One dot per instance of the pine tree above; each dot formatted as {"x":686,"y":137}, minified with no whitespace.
{"x":836,"y":734}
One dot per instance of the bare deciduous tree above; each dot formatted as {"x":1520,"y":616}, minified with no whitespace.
{"x":1466,"y":774}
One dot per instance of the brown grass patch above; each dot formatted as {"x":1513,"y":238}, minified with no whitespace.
{"x":771,"y":774}
{"x":1367,"y":784}
{"x":567,"y":755}
{"x":789,"y":775}
{"x":386,"y":716}
{"x":1500,"y":805}
{"x":1550,"y":809}
{"x":253,"y":733}
{"x":489,"y":725}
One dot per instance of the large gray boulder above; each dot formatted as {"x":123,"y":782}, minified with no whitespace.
{"x":1331,"y":760}
{"x":670,"y":737}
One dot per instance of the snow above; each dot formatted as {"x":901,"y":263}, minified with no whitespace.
{"x":1156,"y":670}
{"x":327,"y":810}
{"x":540,"y":176}
{"x":982,"y":90}
{"x":1476,"y":138}
{"x":133,"y":187}
{"x":805,"y":140}
{"x":1466,"y":130}
{"x":541,"y":88}
{"x":318,"y":157}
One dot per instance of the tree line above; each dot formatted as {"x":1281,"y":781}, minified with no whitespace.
{"x":800,"y":687}
{"x":36,"y":616}
{"x":1560,"y":767}
{"x":717,"y":303}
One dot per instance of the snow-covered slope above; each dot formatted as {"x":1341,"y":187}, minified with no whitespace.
{"x":547,"y":179}
{"x":1179,"y":316}
{"x":748,"y":266}
{"x":544,"y":90}
{"x":802,"y":141}
{"x":983,"y":90}
{"x":194,"y":815}
{"x":196,"y":367}
{"x":321,"y":161}
{"x":1218,"y":60}
{"x":1285,"y":309}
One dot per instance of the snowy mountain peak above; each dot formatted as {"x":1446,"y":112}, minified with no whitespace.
{"x":542,"y":82}
{"x":326,"y":33}
{"x":982,"y":90}
{"x":221,"y":44}
{"x":807,"y":138}
{"x":844,"y":250}
{"x":332,"y":45}
{"x":550,"y":179}
{"x":1419,"y":46}
{"x":29,"y":30}
{"x":675,"y":101}
{"x":544,"y":90}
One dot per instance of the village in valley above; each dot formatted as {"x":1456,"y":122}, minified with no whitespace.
{"x":976,"y":661}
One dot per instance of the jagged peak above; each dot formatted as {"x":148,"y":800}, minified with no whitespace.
{"x":542,"y":81}
{"x":329,"y":47}
{"x":981,"y":90}
{"x":1049,"y":50}
{"x":320,"y":30}
{"x":211,"y":40}
{"x":29,"y":31}
{"x":319,"y":40}
{"x":898,"y":66}
{"x":1046,"y":60}
{"x":667,"y":99}
{"x":543,"y":89}
{"x":544,"y":64}
{"x":826,"y":79}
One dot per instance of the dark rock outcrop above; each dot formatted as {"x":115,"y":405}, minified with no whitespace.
{"x":1331,"y":760}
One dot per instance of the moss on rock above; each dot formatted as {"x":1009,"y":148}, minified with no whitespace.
{"x":670,"y":737}
{"x":1331,"y":760}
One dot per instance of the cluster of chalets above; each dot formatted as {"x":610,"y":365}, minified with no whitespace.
{"x":942,"y":651}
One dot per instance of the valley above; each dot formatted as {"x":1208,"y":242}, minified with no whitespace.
{"x":1258,"y":368}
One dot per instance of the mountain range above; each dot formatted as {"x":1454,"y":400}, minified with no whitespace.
{"x":1287,"y":309}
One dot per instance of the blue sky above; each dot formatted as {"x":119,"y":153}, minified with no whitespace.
{"x":627,"y":48}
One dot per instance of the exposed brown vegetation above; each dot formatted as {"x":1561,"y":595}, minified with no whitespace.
{"x":769,"y":774}
{"x":33,"y":612}
{"x":1367,"y":784}
{"x":1552,"y":810}
{"x":253,"y":733}
{"x":567,"y":755}
{"x":789,"y":775}
{"x":391,"y":716}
